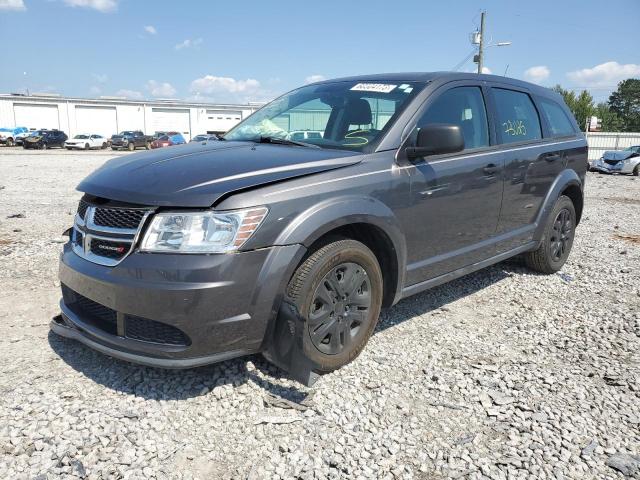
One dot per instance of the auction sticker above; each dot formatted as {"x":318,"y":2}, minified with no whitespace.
{"x":374,"y":87}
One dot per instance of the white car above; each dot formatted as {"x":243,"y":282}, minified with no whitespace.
{"x":85,"y":141}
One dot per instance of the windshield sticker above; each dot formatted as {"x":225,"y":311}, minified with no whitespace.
{"x":374,"y":87}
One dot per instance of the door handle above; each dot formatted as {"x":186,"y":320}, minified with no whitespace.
{"x":552,"y":157}
{"x":491,"y":169}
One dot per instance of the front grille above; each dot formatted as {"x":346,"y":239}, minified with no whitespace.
{"x":92,"y":312}
{"x":147,"y":330}
{"x":612,"y":162}
{"x":105,"y":248}
{"x":135,"y":328}
{"x":82,"y":208}
{"x":118,"y":217}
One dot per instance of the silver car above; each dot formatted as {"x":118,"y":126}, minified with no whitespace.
{"x":619,"y":161}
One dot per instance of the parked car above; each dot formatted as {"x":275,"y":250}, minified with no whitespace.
{"x":260,"y":243}
{"x":22,"y":135}
{"x":8,"y":135}
{"x":305,"y":135}
{"x":130,"y":140}
{"x":204,"y":137}
{"x":619,"y":161}
{"x":168,"y":140}
{"x":43,"y":139}
{"x":86,"y":141}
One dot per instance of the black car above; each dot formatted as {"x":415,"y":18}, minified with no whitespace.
{"x":131,"y":139}
{"x":43,"y":139}
{"x":204,"y":137}
{"x":261,"y":243}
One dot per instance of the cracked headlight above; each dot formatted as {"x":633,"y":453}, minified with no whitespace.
{"x":202,"y":232}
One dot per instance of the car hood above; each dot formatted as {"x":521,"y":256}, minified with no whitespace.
{"x":197,"y":175}
{"x":618,"y":154}
{"x":34,"y":138}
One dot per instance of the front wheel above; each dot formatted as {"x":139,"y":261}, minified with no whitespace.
{"x":337,"y":291}
{"x":557,"y":239}
{"x":104,"y":145}
{"x":147,"y":145}
{"x":44,"y":146}
{"x":636,"y":171}
{"x":131,"y":147}
{"x":9,"y":142}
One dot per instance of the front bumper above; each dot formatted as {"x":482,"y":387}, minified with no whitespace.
{"x":618,"y":167}
{"x":222,"y":303}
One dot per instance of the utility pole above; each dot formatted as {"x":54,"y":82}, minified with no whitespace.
{"x":481,"y":44}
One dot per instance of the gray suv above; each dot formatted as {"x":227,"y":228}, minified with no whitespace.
{"x":263,"y":243}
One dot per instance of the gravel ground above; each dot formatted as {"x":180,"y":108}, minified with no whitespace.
{"x":500,"y":374}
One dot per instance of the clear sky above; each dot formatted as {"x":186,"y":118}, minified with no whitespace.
{"x":251,"y":50}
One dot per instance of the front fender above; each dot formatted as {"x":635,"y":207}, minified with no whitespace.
{"x":320,"y":219}
{"x":566,"y":178}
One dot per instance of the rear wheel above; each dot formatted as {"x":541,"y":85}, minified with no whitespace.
{"x":104,"y":145}
{"x":338,"y":293}
{"x":147,"y":145}
{"x":86,"y":146}
{"x":557,"y":240}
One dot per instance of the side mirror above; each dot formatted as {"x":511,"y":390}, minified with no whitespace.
{"x":437,"y":139}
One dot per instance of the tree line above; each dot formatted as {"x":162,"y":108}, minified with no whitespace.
{"x":621,"y":113}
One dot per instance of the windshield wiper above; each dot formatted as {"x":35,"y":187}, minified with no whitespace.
{"x":284,"y":141}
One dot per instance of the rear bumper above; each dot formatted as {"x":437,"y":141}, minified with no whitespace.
{"x":223,"y":304}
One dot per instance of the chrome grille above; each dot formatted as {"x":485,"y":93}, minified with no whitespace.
{"x":106,"y":235}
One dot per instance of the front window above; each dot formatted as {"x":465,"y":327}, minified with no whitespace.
{"x":345,"y":115}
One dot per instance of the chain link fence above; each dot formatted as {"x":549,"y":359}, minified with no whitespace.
{"x":599,"y":142}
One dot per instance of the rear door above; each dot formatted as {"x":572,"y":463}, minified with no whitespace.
{"x":456,"y":198}
{"x":531,"y":163}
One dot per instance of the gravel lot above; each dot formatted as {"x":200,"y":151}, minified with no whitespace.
{"x":501,"y":374}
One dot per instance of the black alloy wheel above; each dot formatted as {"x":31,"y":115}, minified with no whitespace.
{"x":339,"y":308}
{"x":561,"y":234}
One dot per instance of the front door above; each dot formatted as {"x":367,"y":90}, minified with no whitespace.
{"x":456,"y":198}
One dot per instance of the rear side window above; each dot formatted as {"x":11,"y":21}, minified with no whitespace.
{"x":556,"y":118}
{"x":462,"y":106}
{"x":517,"y":118}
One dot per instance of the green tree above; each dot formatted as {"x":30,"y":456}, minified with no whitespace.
{"x":625,"y":103}
{"x":581,"y":105}
{"x":611,"y":122}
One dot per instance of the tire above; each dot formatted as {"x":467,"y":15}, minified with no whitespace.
{"x":334,"y":332}
{"x":9,"y":142}
{"x":86,"y":146}
{"x":104,"y":146}
{"x":557,"y":239}
{"x":131,"y":147}
{"x":69,"y":148}
{"x":44,"y":146}
{"x":147,"y":145}
{"x":114,"y":148}
{"x":636,"y":171}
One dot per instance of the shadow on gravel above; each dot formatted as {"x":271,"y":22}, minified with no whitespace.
{"x":160,"y":384}
{"x":442,"y":295}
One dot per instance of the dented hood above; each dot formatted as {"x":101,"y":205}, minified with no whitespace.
{"x":198,"y":175}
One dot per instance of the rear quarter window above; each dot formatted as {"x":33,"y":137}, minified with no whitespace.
{"x":516,"y":116}
{"x":554,"y":114}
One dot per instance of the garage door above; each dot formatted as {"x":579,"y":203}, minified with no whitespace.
{"x":220,"y":121}
{"x":101,"y":120}
{"x":36,"y":115}
{"x":171,"y":120}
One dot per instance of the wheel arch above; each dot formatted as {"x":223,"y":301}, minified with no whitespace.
{"x":364,"y":219}
{"x":566,"y":183}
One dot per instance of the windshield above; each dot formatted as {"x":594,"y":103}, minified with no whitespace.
{"x":127,"y":132}
{"x":346,"y":115}
{"x":81,"y":137}
{"x":632,"y":149}
{"x":163,"y":138}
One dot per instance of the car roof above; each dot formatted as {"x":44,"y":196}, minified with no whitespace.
{"x":432,"y":76}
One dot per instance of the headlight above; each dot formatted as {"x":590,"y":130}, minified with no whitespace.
{"x":202,"y":232}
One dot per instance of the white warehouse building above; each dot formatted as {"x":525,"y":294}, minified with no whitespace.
{"x":109,"y":115}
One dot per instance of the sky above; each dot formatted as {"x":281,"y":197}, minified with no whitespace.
{"x":252,"y":50}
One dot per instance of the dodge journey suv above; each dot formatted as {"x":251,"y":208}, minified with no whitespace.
{"x":265,"y":243}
